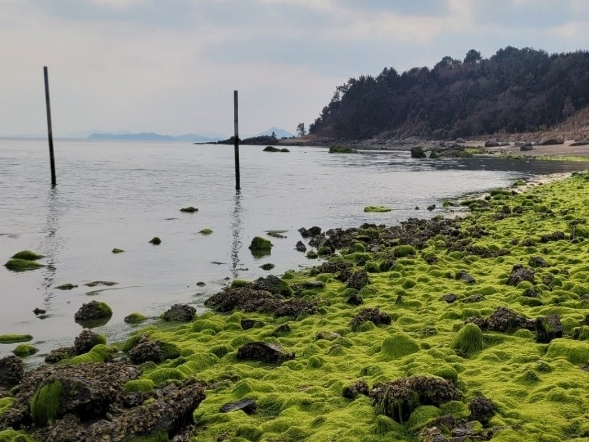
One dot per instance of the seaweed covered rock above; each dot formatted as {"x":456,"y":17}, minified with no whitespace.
{"x":300,"y":247}
{"x":272,"y":284}
{"x":263,"y":352}
{"x":11,"y":371}
{"x":538,"y":261}
{"x":358,"y":387}
{"x":144,"y":349}
{"x":260,"y":244}
{"x":358,"y":280}
{"x":373,"y":315}
{"x":94,"y":310}
{"x":86,"y":340}
{"x":518,"y":274}
{"x":481,"y":409}
{"x":398,"y":399}
{"x":59,"y":354}
{"x":180,"y":313}
{"x":548,"y":328}
{"x":417,"y":152}
{"x":340,"y":268}
{"x":554,"y":236}
{"x":504,"y":320}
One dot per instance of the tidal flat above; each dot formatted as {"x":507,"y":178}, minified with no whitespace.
{"x":476,"y":327}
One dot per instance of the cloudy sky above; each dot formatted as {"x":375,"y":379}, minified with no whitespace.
{"x":170,"y":66}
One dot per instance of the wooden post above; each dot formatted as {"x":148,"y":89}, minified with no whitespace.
{"x":236,"y":142}
{"x":49,"y":130}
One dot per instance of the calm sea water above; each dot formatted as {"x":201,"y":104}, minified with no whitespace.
{"x":123,"y":194}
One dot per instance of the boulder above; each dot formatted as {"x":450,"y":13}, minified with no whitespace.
{"x":93,"y":310}
{"x":358,"y":279}
{"x":374,"y":315}
{"x":548,"y":328}
{"x":449,"y":298}
{"x":481,"y":409}
{"x":518,"y":274}
{"x":180,"y":313}
{"x":504,"y":320}
{"x":263,"y":352}
{"x":537,"y":261}
{"x":417,"y":152}
{"x":491,"y":143}
{"x":86,"y":340}
{"x":358,"y":387}
{"x":552,"y":141}
{"x":248,"y":406}
{"x":300,"y":247}
{"x":526,"y":147}
{"x":11,"y":371}
{"x":59,"y":354}
{"x":272,"y":284}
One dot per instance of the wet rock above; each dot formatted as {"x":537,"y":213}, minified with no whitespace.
{"x":374,"y":315}
{"x":68,"y":429}
{"x":503,"y":320}
{"x":449,"y":298}
{"x":156,"y":241}
{"x":526,"y":147}
{"x":168,"y":415}
{"x":358,"y":387}
{"x":300,"y":247}
{"x":358,"y":279}
{"x":554,"y":236}
{"x":146,"y":350}
{"x":355,"y":299}
{"x":39,"y":311}
{"x":417,"y":152}
{"x":397,"y":399}
{"x":548,"y":328}
{"x":272,"y":284}
{"x":491,"y":143}
{"x":518,"y":274}
{"x":180,"y":313}
{"x":530,"y":293}
{"x":201,"y":284}
{"x":93,"y":310}
{"x":313,"y":231}
{"x":537,"y":261}
{"x":60,"y":354}
{"x":432,"y":207}
{"x":264,"y":352}
{"x":248,"y":406}
{"x":481,"y":409}
{"x":268,"y":266}
{"x":552,"y":141}
{"x":86,"y":340}
{"x":11,"y":371}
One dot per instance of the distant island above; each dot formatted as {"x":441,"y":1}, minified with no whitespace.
{"x":513,"y":91}
{"x":152,"y":136}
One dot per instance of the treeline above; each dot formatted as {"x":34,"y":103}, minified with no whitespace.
{"x":515,"y":90}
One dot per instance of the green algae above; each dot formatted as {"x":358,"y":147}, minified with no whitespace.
{"x":135,"y":318}
{"x":11,"y":435}
{"x":205,"y":232}
{"x":260,"y":244}
{"x":469,"y":340}
{"x":377,"y":209}
{"x":46,"y":402}
{"x":67,"y":286}
{"x":22,"y":265}
{"x":11,"y":338}
{"x":27,"y":255}
{"x":138,"y":386}
{"x":24,"y":350}
{"x":98,"y":353}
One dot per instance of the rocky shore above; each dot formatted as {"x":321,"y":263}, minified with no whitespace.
{"x":462,"y":329}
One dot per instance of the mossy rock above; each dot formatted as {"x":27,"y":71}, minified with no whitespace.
{"x":22,"y":265}
{"x":398,"y":345}
{"x":11,"y":435}
{"x":422,"y":415}
{"x":135,"y":318}
{"x":27,"y":255}
{"x":156,"y":241}
{"x":342,"y":149}
{"x":117,"y":251}
{"x":139,"y":386}
{"x":46,"y":402}
{"x":468,"y":340}
{"x":205,"y":232}
{"x":404,"y":250}
{"x":11,"y":338}
{"x":67,"y":286}
{"x":377,"y":209}
{"x":24,"y":350}
{"x":576,"y":352}
{"x":189,"y":209}
{"x":99,"y":353}
{"x":260,"y":244}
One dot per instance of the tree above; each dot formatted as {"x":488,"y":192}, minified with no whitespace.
{"x":301,"y":131}
{"x":473,"y":57}
{"x":273,"y":134}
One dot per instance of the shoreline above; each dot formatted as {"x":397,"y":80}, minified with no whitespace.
{"x":292,"y":394}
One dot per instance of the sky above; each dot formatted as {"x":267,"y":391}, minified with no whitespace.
{"x":170,"y":66}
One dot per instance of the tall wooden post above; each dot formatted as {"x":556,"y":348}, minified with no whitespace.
{"x":49,"y":129}
{"x":236,"y":141}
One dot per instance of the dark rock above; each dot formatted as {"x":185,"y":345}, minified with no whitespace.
{"x":313,"y":285}
{"x":11,"y":371}
{"x":449,"y":298}
{"x":432,"y":207}
{"x":248,"y":406}
{"x":146,"y":350}
{"x":526,"y":147}
{"x":481,"y":409}
{"x":548,"y":328}
{"x":340,"y":268}
{"x":60,"y":354}
{"x":282,"y":329}
{"x":554,"y":236}
{"x":430,"y":258}
{"x":86,"y":340}
{"x":93,"y":310}
{"x":491,"y":143}
{"x":354,"y":299}
{"x":201,"y":284}
{"x":504,"y":320}
{"x":156,"y":241}
{"x":358,"y":279}
{"x":580,"y":143}
{"x":417,"y":152}
{"x":370,"y":314}
{"x":397,"y":399}
{"x":264,"y":352}
{"x":537,"y":261}
{"x":477,"y":297}
{"x":460,"y":140}
{"x":268,"y":266}
{"x":552,"y":141}
{"x":314,"y":231}
{"x":518,"y":274}
{"x":39,"y":311}
{"x":180,"y":313}
{"x":300,"y":247}
{"x":358,"y":387}
{"x":464,"y":276}
{"x":530,"y":293}
{"x":273,"y":284}
{"x":246,"y":324}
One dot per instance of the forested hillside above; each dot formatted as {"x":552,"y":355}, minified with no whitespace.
{"x":515,"y":90}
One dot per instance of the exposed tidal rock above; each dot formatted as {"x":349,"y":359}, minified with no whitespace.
{"x":86,"y":340}
{"x":11,"y":371}
{"x":264,"y":352}
{"x":180,"y":313}
{"x":373,"y":315}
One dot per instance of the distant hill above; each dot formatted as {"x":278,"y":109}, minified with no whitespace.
{"x":280,"y":133}
{"x":515,"y":90}
{"x":152,"y":136}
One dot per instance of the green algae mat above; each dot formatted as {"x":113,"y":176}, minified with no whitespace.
{"x":481,"y":328}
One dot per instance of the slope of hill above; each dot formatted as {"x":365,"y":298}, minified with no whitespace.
{"x":515,"y":90}
{"x":280,"y":133}
{"x":151,"y":136}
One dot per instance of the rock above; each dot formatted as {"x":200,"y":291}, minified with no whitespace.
{"x":481,"y":409}
{"x":358,"y":387}
{"x":358,"y":280}
{"x":554,"y":236}
{"x":537,"y":261}
{"x":93,"y":310}
{"x":548,"y":328}
{"x":248,"y":406}
{"x":264,"y":352}
{"x":460,"y":141}
{"x":417,"y":152}
{"x":282,"y":329}
{"x":398,"y":399}
{"x":300,"y":247}
{"x":449,"y":298}
{"x":260,"y":244}
{"x":180,"y":313}
{"x":313,"y":285}
{"x":327,"y":335}
{"x":11,"y":371}
{"x":268,"y":266}
{"x":580,"y":143}
{"x":60,"y":354}
{"x":189,"y":209}
{"x":354,"y":299}
{"x":518,"y":274}
{"x":552,"y":141}
{"x":342,"y":149}
{"x":68,"y":286}
{"x":155,"y":241}
{"x":273,"y":284}
{"x":432,"y":207}
{"x":135,"y":318}
{"x":246,"y":324}
{"x":464,"y":276}
{"x":86,"y":340}
{"x":314,"y":231}
{"x":491,"y":143}
{"x":201,"y":284}
{"x":526,"y":147}
{"x":370,"y":314}
{"x":146,"y":350}
{"x":477,"y":297}
{"x":39,"y":311}
{"x":504,"y":320}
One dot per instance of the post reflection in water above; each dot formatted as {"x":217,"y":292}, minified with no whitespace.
{"x":51,"y":243}
{"x":236,"y":233}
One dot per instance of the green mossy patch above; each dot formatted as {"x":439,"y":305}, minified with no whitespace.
{"x":46,"y":402}
{"x":138,"y":386}
{"x":135,"y":318}
{"x":377,"y":209}
{"x":24,"y":350}
{"x":342,"y":149}
{"x":469,"y":340}
{"x":11,"y":338}
{"x":27,"y":255}
{"x":260,"y":244}
{"x":205,"y":232}
{"x":67,"y":286}
{"x":11,"y":435}
{"x":573,"y":351}
{"x":22,"y":265}
{"x":117,"y":251}
{"x":99,"y":353}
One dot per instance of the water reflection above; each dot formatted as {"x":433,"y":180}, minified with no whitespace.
{"x":236,"y":233}
{"x":52,"y":242}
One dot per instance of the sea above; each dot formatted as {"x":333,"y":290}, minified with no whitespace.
{"x":122,"y":194}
